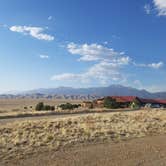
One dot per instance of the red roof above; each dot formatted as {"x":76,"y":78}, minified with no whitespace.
{"x":147,"y":100}
{"x":161,"y":101}
{"x":155,"y":101}
{"x":124,"y":99}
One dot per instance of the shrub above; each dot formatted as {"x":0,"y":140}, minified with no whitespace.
{"x":39,"y":106}
{"x":52,"y":108}
{"x":47,"y":107}
{"x":110,"y":103}
{"x":69,"y":106}
{"x":135,"y":104}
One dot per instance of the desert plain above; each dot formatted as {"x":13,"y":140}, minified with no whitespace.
{"x":104,"y":138}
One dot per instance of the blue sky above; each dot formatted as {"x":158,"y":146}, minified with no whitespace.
{"x":82,"y":43}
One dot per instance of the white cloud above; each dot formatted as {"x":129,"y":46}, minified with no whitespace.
{"x":107,"y":68}
{"x":156,"y":65}
{"x":50,"y":17}
{"x":103,"y":72}
{"x":36,"y":32}
{"x":92,"y":52}
{"x":147,"y":8}
{"x":151,"y":65}
{"x":66,"y":76}
{"x":160,"y":6}
{"x":42,"y":56}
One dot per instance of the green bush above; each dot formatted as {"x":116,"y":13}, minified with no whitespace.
{"x":135,"y":104}
{"x":40,"y":107}
{"x":69,"y":106}
{"x":52,"y":108}
{"x":110,"y":103}
{"x":47,"y":107}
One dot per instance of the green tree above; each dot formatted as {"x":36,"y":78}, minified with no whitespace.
{"x":110,"y":103}
{"x":69,"y":106}
{"x":39,"y":106}
{"x":135,"y":104}
{"x":46,"y":107}
{"x":52,"y":108}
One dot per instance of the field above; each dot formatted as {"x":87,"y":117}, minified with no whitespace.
{"x":17,"y":105}
{"x":79,"y":137}
{"x":26,"y":107}
{"x":19,"y":139}
{"x":13,"y":108}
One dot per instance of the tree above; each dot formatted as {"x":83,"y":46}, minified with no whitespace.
{"x":69,"y":106}
{"x":39,"y":106}
{"x":135,"y":104}
{"x":52,"y":108}
{"x":110,"y":102}
{"x":46,"y":107}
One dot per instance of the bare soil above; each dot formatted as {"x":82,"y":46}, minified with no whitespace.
{"x":17,"y":105}
{"x":148,"y":151}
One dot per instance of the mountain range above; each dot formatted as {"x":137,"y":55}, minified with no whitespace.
{"x":85,"y":93}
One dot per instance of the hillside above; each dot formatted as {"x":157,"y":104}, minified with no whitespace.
{"x":85,"y":93}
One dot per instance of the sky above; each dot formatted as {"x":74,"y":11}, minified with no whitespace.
{"x":82,"y":43}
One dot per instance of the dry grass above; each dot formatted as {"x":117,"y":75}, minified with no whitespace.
{"x":17,"y":105}
{"x":10,"y":108}
{"x":18,"y":139}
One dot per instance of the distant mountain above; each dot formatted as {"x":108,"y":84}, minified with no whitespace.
{"x":86,"y":93}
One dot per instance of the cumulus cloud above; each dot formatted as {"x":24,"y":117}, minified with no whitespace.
{"x":92,"y":52}
{"x":36,"y":32}
{"x":103,"y":72}
{"x":107,"y":67}
{"x":42,"y":56}
{"x":160,"y":5}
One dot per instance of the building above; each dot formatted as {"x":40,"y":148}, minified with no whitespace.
{"x":87,"y":104}
{"x":153,"y":102}
{"x":125,"y":101}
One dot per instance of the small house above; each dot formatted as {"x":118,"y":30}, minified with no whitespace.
{"x":87,"y":104}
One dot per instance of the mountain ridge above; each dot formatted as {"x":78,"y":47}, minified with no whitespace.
{"x":86,"y":93}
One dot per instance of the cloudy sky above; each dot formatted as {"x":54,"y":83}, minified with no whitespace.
{"x":82,"y":43}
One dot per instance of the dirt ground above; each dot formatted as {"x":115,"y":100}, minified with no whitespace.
{"x":148,"y":151}
{"x":19,"y":104}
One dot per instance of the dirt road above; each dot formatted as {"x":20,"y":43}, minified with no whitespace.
{"x":55,"y":115}
{"x":149,"y":151}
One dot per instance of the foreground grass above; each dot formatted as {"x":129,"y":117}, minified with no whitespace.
{"x":20,"y":138}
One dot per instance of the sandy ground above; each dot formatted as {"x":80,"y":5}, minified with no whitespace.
{"x":17,"y":105}
{"x":148,"y":151}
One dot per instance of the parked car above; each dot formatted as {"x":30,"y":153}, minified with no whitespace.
{"x":149,"y":105}
{"x":155,"y":106}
